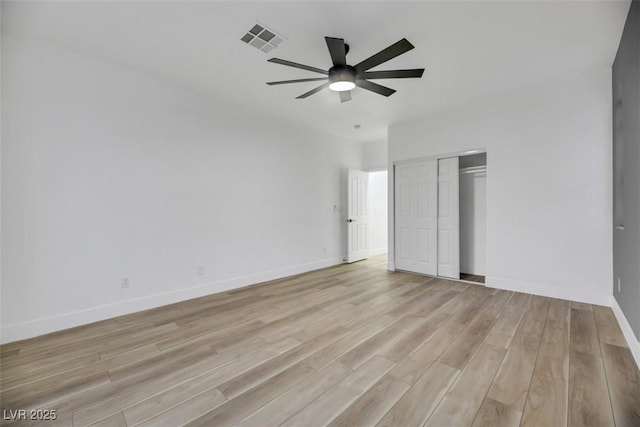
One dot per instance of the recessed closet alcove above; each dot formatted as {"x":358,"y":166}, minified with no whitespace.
{"x":440,"y":216}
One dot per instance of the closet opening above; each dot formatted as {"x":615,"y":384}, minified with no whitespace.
{"x":473,"y":217}
{"x":440,"y":216}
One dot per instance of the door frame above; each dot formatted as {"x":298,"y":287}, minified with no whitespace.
{"x":392,"y":196}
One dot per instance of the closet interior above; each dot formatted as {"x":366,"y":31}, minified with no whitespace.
{"x":473,"y":217}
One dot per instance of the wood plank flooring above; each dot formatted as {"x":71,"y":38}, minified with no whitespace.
{"x":472,"y":277}
{"x":347,"y":345}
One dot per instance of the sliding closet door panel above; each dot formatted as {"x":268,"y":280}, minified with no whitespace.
{"x":426,"y":212}
{"x":404,"y":176}
{"x":404,"y":246}
{"x":444,"y":249}
{"x":448,"y":218}
{"x":416,"y":216}
{"x":423,"y":246}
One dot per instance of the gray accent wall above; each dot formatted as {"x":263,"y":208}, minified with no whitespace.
{"x":626,"y":166}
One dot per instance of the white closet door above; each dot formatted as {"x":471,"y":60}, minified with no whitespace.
{"x":448,"y":218}
{"x":416,"y":211}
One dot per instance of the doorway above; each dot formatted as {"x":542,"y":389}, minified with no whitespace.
{"x":473,"y":217}
{"x":367,"y":216}
{"x":378,"y":209}
{"x":440,"y":216}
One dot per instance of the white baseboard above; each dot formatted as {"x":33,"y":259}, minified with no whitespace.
{"x":561,"y":292}
{"x":45,"y":325}
{"x":379,"y":251}
{"x":632,"y":341}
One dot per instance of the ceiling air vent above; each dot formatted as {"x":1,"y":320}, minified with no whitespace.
{"x":263,"y":38}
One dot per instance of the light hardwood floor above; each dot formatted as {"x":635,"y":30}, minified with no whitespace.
{"x":348,"y":345}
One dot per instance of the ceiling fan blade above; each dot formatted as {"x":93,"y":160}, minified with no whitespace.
{"x":345,"y":96}
{"x":296,"y":65}
{"x":385,"y":55}
{"x":374,"y":87}
{"x":392,"y":74}
{"x":312,"y":91}
{"x":337,"y":51}
{"x":284,"y":82}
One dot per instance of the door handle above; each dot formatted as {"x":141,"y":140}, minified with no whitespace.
{"x":351,"y":220}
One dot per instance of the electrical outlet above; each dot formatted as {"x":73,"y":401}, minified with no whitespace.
{"x":619,"y":286}
{"x":200,"y":270}
{"x":125,"y":282}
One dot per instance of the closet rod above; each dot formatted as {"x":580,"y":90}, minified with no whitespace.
{"x":474,"y":169}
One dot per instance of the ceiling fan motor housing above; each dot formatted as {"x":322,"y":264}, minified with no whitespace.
{"x":342,"y":73}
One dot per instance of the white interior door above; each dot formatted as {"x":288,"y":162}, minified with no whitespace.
{"x":416,"y":202}
{"x":357,"y":219}
{"x":448,"y":218}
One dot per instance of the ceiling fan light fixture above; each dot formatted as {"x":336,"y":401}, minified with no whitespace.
{"x":342,"y":79}
{"x":342,"y":86}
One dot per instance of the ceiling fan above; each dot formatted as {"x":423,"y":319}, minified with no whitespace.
{"x":343,"y":77}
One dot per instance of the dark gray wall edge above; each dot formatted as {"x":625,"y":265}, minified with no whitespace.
{"x":626,"y":166}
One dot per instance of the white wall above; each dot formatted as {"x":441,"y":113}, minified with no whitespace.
{"x":548,"y":184}
{"x":108,"y":173}
{"x":378,"y":212}
{"x":375,"y":159}
{"x":375,"y":155}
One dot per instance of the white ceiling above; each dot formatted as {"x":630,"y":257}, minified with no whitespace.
{"x":471,"y":50}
